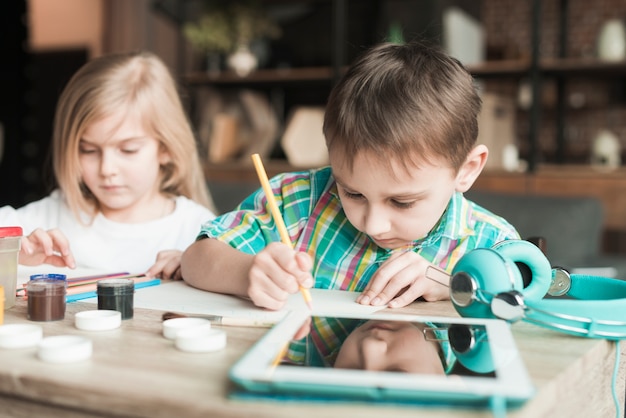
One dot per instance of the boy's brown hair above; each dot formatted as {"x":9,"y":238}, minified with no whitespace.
{"x":410,"y":102}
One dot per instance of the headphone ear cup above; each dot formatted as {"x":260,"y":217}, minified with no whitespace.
{"x":471,"y":348}
{"x":490,"y":274}
{"x":527,"y":256}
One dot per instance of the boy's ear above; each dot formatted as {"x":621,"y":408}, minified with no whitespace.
{"x":471,"y":168}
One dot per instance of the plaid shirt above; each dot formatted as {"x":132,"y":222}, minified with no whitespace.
{"x":343,"y":257}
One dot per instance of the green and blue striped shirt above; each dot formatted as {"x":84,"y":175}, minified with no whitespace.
{"x":343,"y":257}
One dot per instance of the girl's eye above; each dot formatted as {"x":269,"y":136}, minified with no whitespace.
{"x":87,"y":150}
{"x":130,"y":150}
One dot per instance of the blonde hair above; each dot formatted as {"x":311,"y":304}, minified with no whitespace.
{"x":411,"y":102}
{"x":138,"y":83}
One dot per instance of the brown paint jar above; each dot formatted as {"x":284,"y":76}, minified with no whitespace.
{"x":46,"y":299}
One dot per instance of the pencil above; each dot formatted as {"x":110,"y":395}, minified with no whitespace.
{"x":279,"y":357}
{"x":278,"y":219}
{"x":222,"y":320}
{"x":96,"y":277}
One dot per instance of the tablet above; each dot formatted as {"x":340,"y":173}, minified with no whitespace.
{"x":394,"y":358}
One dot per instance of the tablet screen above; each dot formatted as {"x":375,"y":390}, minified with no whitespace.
{"x":403,"y":346}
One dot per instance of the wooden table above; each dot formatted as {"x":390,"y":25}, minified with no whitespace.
{"x":135,"y":372}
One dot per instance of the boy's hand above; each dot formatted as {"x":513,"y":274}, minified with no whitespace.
{"x":400,"y":280}
{"x":46,"y":247}
{"x":167,"y":265}
{"x":277,"y":272}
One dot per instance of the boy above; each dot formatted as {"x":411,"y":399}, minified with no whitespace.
{"x":401,"y":128}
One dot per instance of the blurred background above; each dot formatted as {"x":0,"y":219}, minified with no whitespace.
{"x":255,"y":75}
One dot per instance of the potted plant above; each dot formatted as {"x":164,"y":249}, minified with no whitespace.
{"x":250,"y":23}
{"x":211,"y":35}
{"x":230,"y":30}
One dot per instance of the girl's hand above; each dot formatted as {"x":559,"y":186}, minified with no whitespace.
{"x":46,"y":247}
{"x":167,"y":265}
{"x":277,"y":272}
{"x":400,"y":280}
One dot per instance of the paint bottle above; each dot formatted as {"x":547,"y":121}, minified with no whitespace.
{"x":117,"y":295}
{"x":1,"y":305}
{"x":10,"y":240}
{"x":46,"y":299}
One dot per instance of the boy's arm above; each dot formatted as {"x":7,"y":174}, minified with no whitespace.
{"x":210,"y":264}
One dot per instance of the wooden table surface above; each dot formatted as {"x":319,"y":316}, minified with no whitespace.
{"x":135,"y":372}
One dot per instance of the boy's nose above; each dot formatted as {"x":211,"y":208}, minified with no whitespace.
{"x":374,"y":352}
{"x":376,"y":222}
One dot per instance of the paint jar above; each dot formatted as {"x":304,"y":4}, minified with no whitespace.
{"x":116,"y":295}
{"x":46,"y":299}
{"x":10,"y":239}
{"x":61,"y":277}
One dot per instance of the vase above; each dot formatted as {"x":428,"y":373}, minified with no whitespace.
{"x":242,"y":61}
{"x":612,"y":41}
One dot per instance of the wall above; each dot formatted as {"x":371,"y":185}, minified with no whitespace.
{"x":66,"y":24}
{"x":593,"y":103}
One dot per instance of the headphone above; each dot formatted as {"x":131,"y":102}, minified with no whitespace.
{"x":513,"y":280}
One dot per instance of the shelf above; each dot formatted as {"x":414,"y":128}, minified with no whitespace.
{"x":500,"y":68}
{"x":307,"y":74}
{"x":571,"y":66}
{"x":565,"y":180}
{"x":281,"y":75}
{"x":582,"y":66}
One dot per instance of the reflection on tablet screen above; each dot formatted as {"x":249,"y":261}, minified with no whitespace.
{"x":412,"y":347}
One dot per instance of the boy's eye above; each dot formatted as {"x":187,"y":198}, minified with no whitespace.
{"x":403,"y":205}
{"x":354,"y":196}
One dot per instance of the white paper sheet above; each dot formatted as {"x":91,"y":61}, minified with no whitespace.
{"x":181,"y":298}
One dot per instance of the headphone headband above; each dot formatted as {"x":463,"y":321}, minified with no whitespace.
{"x":487,"y":282}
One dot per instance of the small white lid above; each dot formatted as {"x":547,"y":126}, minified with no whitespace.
{"x":171,"y":327}
{"x":98,"y":320}
{"x":200,"y":340}
{"x":64,"y":349}
{"x":20,"y":335}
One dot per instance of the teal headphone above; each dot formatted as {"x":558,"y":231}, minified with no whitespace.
{"x":513,"y":280}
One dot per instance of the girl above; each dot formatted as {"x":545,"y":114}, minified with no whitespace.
{"x":131,"y":192}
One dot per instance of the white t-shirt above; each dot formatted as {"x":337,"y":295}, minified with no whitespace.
{"x":107,"y":245}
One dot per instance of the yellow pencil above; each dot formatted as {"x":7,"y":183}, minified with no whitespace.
{"x":278,"y":219}
{"x":279,"y":357}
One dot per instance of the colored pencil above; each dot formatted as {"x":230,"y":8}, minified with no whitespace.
{"x":92,"y":286}
{"x":96,"y":277}
{"x":92,"y":294}
{"x":278,"y":219}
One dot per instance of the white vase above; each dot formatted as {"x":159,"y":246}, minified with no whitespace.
{"x":606,"y":150}
{"x":242,"y":61}
{"x":612,"y":41}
